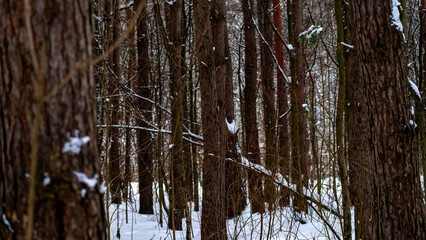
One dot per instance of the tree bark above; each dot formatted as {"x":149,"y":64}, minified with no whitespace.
{"x":173,"y":16}
{"x":341,"y":101}
{"x":268,"y":91}
{"x":379,"y":62}
{"x":142,"y":88}
{"x":114,"y":151}
{"x":41,"y":186}
{"x":250,"y":95}
{"x":283,"y":135}
{"x":213,"y":217}
{"x":299,"y":155}
{"x":234,"y":189}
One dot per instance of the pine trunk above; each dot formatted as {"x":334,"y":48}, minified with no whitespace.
{"x":42,"y":194}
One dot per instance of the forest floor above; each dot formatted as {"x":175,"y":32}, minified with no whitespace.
{"x":280,"y":223}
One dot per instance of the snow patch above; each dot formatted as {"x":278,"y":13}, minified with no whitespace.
{"x":90,"y":182}
{"x":83,"y":192}
{"x":46,"y":180}
{"x":232,"y":127}
{"x":305,"y":107}
{"x":290,"y":47}
{"x":312,"y":31}
{"x":7,"y":223}
{"x":412,"y":123}
{"x":414,"y":87}
{"x":102,"y":188}
{"x":395,"y":20}
{"x":73,"y":146}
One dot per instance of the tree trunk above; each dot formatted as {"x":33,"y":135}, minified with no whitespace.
{"x":144,"y":107}
{"x":341,"y":101}
{"x":283,"y":135}
{"x":213,"y":217}
{"x":268,"y":91}
{"x":173,"y":13}
{"x":298,"y":125}
{"x":48,"y":130}
{"x":234,"y":189}
{"x":114,"y":151}
{"x":250,"y":95}
{"x":379,"y":62}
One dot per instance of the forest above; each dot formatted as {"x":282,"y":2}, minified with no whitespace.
{"x":212,"y":119}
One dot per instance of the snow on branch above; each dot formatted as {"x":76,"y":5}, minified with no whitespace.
{"x":281,"y":181}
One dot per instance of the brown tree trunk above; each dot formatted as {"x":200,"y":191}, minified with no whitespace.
{"x":42,"y":189}
{"x":283,"y":136}
{"x":250,"y":95}
{"x":235,"y":199}
{"x":213,"y":217}
{"x":173,"y":13}
{"x":379,"y":62}
{"x":114,"y":151}
{"x":268,"y":91}
{"x":144,"y":107}
{"x":300,"y":161}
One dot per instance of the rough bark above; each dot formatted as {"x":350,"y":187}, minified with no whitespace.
{"x":173,"y":16}
{"x":144,"y":139}
{"x":38,"y":50}
{"x":234,"y":189}
{"x":299,"y":155}
{"x":213,"y":217}
{"x":283,"y":135}
{"x":114,"y":100}
{"x":250,"y":95}
{"x":379,"y":62}
{"x":268,"y":93}
{"x":341,"y":101}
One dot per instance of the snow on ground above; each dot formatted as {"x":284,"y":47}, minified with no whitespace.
{"x":277,"y":224}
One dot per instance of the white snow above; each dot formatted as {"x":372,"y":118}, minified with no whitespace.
{"x":102,"y":188}
{"x":46,"y":180}
{"x":395,"y":20}
{"x":305,"y":107}
{"x":290,"y":47}
{"x":232,"y":127}
{"x":347,"y":45}
{"x":27,"y":175}
{"x":83,"y":192}
{"x":7,"y":223}
{"x":312,"y":31}
{"x":73,"y":146}
{"x":90,"y":182}
{"x":414,"y":87}
{"x":412,"y":123}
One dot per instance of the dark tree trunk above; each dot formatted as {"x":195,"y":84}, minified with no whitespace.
{"x":213,"y":217}
{"x":144,"y":140}
{"x":41,"y":187}
{"x":114,"y":151}
{"x":235,"y":199}
{"x":379,"y":62}
{"x":268,"y":92}
{"x":250,"y":95}
{"x":283,"y":135}
{"x":173,"y":14}
{"x":300,"y":161}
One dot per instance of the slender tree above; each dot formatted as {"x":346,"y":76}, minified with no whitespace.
{"x":50,"y":174}
{"x":114,"y":96}
{"x":341,"y":101}
{"x":213,"y":217}
{"x":379,"y":62}
{"x":299,"y":151}
{"x":142,"y":88}
{"x":283,"y":135}
{"x":173,"y":15}
{"x":250,"y":95}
